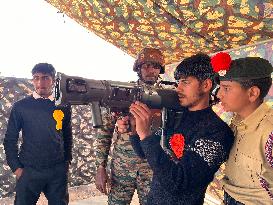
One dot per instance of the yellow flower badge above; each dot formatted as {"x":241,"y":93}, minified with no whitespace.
{"x":58,"y":115}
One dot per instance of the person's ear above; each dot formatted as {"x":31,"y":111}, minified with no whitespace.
{"x":253,"y":93}
{"x":207,"y":85}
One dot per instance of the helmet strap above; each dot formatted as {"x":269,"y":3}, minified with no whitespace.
{"x":147,"y":82}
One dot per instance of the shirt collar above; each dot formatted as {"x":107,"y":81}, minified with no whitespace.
{"x":37,"y":96}
{"x":254,"y":119}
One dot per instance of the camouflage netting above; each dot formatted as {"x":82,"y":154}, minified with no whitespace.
{"x":180,"y":28}
{"x":83,"y":166}
{"x":262,"y":49}
{"x":82,"y":169}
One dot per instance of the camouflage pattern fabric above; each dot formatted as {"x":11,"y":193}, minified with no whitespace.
{"x":263,"y":50}
{"x":82,"y":169}
{"x":127,"y":171}
{"x":11,"y":90}
{"x":104,"y":137}
{"x":180,"y":28}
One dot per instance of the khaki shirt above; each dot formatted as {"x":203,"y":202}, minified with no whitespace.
{"x":247,"y":161}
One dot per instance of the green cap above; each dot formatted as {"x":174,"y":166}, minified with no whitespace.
{"x":247,"y":68}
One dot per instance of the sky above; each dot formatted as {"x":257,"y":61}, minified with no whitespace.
{"x":32,"y":31}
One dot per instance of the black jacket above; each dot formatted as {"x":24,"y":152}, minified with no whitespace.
{"x":43,"y":145}
{"x":208,"y":141}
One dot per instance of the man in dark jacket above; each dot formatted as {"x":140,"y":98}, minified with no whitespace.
{"x":42,"y":163}
{"x":199,"y":144}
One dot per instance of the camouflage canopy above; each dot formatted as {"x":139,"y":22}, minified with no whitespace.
{"x":179,"y":27}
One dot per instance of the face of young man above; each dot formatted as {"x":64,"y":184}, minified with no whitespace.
{"x":149,"y":72}
{"x":190,"y":92}
{"x":233,"y":97}
{"x":43,"y":84}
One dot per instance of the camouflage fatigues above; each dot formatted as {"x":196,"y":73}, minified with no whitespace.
{"x":104,"y":137}
{"x":128,"y":171}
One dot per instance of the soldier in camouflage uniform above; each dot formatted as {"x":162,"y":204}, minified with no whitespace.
{"x":128,"y":171}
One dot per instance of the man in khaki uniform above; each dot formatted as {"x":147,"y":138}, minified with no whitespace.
{"x":249,"y":169}
{"x":128,"y":170}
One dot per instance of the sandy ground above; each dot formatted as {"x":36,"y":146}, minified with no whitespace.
{"x":89,"y":195}
{"x":82,"y":195}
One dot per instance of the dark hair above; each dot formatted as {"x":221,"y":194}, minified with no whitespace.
{"x":44,"y":68}
{"x":263,"y":84}
{"x":198,"y":66}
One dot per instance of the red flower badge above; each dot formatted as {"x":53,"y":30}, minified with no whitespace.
{"x":177,"y":143}
{"x":221,"y":63}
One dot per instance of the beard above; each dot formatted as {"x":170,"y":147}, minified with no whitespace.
{"x":192,"y":101}
{"x":150,"y":80}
